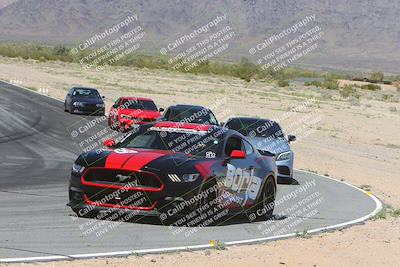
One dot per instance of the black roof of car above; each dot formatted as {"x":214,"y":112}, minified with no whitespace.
{"x":249,"y":119}
{"x":83,"y":87}
{"x":185,"y":107}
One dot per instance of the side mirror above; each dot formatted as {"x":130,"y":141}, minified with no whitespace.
{"x":161,"y":110}
{"x":291,"y":138}
{"x":115,"y":106}
{"x":109,"y":143}
{"x":238,"y":154}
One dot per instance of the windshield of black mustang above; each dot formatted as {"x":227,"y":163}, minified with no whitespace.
{"x":194,"y":143}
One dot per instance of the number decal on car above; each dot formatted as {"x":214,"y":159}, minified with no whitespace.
{"x":242,"y":181}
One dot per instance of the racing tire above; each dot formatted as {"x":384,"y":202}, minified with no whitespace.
{"x":268,"y":196}
{"x":65,"y":107}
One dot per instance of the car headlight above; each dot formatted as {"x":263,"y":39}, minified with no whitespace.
{"x":284,"y":156}
{"x":184,"y":178}
{"x":190,"y":177}
{"x":100,"y":105}
{"x":78,"y":104}
{"x":76,"y":168}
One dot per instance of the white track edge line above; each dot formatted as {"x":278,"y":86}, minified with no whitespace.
{"x":35,"y":92}
{"x":30,"y":90}
{"x":378,"y":207}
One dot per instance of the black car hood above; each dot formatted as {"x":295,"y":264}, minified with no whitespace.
{"x":137,"y":159}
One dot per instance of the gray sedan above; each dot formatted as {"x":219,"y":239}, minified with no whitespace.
{"x":267,"y":136}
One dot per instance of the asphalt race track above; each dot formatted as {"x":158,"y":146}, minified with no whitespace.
{"x":38,"y":146}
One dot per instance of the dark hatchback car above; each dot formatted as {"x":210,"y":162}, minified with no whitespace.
{"x":190,"y":114}
{"x":84,"y":100}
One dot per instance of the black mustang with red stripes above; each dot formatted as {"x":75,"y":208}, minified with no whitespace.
{"x":172,"y":168}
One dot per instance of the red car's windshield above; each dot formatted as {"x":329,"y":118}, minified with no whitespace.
{"x":139,"y":104}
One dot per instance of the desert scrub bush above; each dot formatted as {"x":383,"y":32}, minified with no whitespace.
{"x":347,"y":91}
{"x":392,"y":109}
{"x":393,"y":98}
{"x":304,"y":234}
{"x":354,"y":101}
{"x":382,"y":214}
{"x":331,"y":84}
{"x":245,"y":69}
{"x":283,"y":83}
{"x":371,"y":87}
{"x":218,"y":245}
{"x":395,"y":213}
{"x":377,"y":76}
{"x":60,"y":50}
{"x":397,"y":85}
{"x":331,"y":76}
{"x":313,"y":83}
{"x":365,"y":187}
{"x":326,"y":95}
{"x":387,"y":211}
{"x":37,"y":52}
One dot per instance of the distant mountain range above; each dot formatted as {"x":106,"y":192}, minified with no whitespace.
{"x":358,"y":34}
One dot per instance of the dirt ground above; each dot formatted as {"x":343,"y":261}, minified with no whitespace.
{"x":355,"y":139}
{"x":366,"y":245}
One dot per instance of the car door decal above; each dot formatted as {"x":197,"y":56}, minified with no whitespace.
{"x":243,"y":182}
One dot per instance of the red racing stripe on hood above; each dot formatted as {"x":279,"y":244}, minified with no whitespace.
{"x":132,"y":159}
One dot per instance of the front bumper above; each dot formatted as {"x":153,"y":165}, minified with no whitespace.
{"x":88,"y":109}
{"x":84,"y":209}
{"x":285,"y":169}
{"x":87,"y":198}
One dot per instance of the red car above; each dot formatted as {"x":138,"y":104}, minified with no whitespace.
{"x":128,"y":111}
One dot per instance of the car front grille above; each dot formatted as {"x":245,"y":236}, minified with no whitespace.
{"x":116,"y":178}
{"x":89,"y":105}
{"x":120,"y":189}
